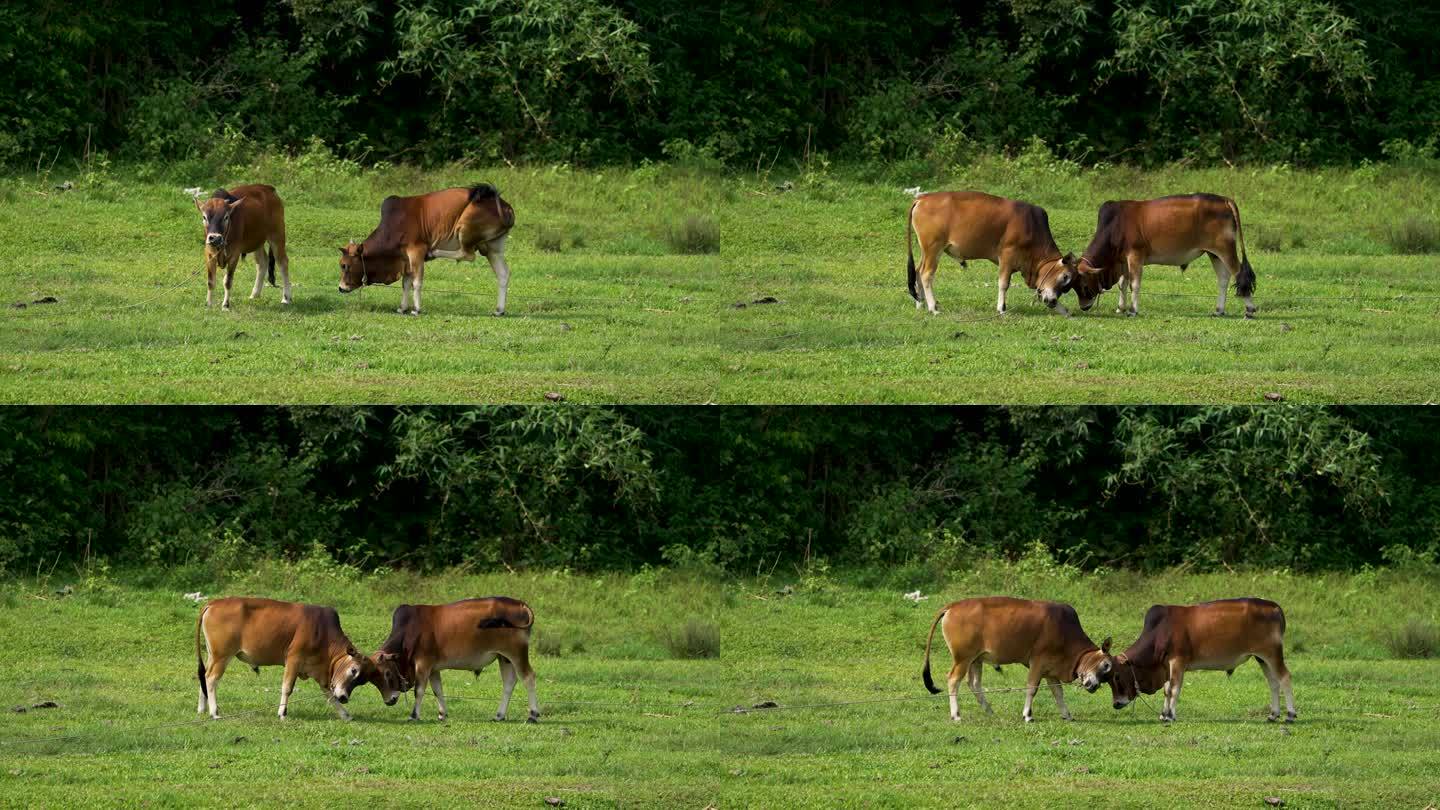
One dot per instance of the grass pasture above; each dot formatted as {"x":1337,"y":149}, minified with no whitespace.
{"x":605,"y":306}
{"x":118,"y":658}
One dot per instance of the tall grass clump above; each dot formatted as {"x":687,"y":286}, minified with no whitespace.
{"x":694,"y":236}
{"x":1415,"y":638}
{"x":1413,"y":236}
{"x":695,"y":639}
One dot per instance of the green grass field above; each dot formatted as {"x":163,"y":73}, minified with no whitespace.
{"x":118,"y":658}
{"x":621,"y":318}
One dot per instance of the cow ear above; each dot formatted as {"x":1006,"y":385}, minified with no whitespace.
{"x":1070,"y":260}
{"x":1105,"y":645}
{"x":237,"y":202}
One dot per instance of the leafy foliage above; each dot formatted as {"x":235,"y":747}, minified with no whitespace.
{"x":714,"y":490}
{"x":746,"y":81}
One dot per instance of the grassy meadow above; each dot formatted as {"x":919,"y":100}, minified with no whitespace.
{"x":604,"y":309}
{"x":625,"y":723}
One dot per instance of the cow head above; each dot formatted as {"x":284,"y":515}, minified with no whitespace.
{"x":1056,"y":277}
{"x":1095,"y":667}
{"x":346,"y":672}
{"x":1131,"y":678}
{"x":215,"y":214}
{"x":1090,"y":281}
{"x":352,"y":267}
{"x":388,"y":676}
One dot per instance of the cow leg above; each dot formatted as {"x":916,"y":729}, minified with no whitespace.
{"x":1136,"y":269}
{"x":1222,"y":283}
{"x":977,"y":669}
{"x":209,"y":281}
{"x":508,"y":677}
{"x":287,"y":685}
{"x":261,"y":265}
{"x":439,"y":693}
{"x":1274,"y":681}
{"x":1122,"y":289}
{"x":229,"y":280}
{"x":1003,"y":287}
{"x":404,"y":294}
{"x":1059,"y":693}
{"x":929,"y":264}
{"x":421,"y":676}
{"x":1032,"y":685}
{"x":213,"y":670}
{"x":417,"y":277}
{"x":282,"y":258}
{"x":496,"y":257}
{"x":1282,"y":675}
{"x":952,"y":682}
{"x":1172,"y":691}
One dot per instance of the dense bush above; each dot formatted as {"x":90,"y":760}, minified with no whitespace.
{"x":709,"y":490}
{"x":744,"y":81}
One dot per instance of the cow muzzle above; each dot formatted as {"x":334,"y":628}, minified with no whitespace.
{"x":1121,"y":703}
{"x":214,"y":239}
{"x":391,"y":700}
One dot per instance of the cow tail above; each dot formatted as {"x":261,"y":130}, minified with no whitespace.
{"x":930,"y":682}
{"x":1245,"y":279}
{"x":910,"y":263}
{"x":200,"y":653}
{"x":270,"y":257}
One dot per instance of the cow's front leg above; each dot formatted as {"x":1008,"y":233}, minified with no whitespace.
{"x":1172,"y":690}
{"x":260,"y":267}
{"x":416,"y":275}
{"x":496,"y":257}
{"x":287,"y":685}
{"x":209,"y":281}
{"x":1137,"y":267}
{"x":1003,"y":289}
{"x":1059,"y":693}
{"x":229,"y":280}
{"x":404,"y":294}
{"x":1032,"y":685}
{"x":421,"y":677}
{"x":508,"y":677}
{"x":439,"y":693}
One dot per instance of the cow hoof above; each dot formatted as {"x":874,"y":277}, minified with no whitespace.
{"x":1250,"y":313}
{"x":534,"y":718}
{"x":1272,"y":718}
{"x":225,"y":307}
{"x":285,"y":302}
{"x":440,"y":717}
{"x":499,"y":718}
{"x":1029,"y":719}
{"x":499,"y":313}
{"x":1067,"y":717}
{"x":1219,"y":313}
{"x":1290,"y":717}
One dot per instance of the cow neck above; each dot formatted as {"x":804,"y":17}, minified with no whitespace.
{"x":1089,"y":647}
{"x":1032,"y":278}
{"x":330,"y":675}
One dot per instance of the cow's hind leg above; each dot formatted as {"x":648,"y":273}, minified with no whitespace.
{"x":439,"y":693}
{"x":1274,"y":681}
{"x":1222,"y":282}
{"x":1059,"y":693}
{"x":527,"y":674}
{"x":1172,"y":691}
{"x":1282,"y":676}
{"x":282,"y":260}
{"x":952,"y":684}
{"x":214,"y":669}
{"x":976,"y":671}
{"x":929,"y":264}
{"x":508,"y":677}
{"x":495,"y":254}
{"x":261,"y":266}
{"x":1136,"y":269}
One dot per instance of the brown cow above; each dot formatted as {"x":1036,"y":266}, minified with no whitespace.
{"x":468,"y":634}
{"x":1014,"y":235}
{"x":1210,"y":635}
{"x":306,"y":639}
{"x":1171,"y":230}
{"x":238,"y":222}
{"x":455,"y":223}
{"x":1044,"y":636}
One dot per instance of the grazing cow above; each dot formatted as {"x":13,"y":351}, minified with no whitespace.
{"x":239,"y":222}
{"x":306,"y":639}
{"x":1044,"y":636}
{"x":1170,"y":230}
{"x":1210,"y":635}
{"x":455,"y":223}
{"x":468,"y":634}
{"x":1014,"y":235}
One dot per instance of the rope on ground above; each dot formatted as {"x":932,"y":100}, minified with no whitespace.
{"x":196,"y":722}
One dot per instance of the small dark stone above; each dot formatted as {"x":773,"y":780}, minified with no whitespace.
{"x":19,"y":305}
{"x":769,"y":299}
{"x":1274,"y":801}
{"x":1274,"y":396}
{"x":49,"y":299}
{"x":1082,"y":365}
{"x":766,"y":704}
{"x":738,"y":305}
{"x":554,"y":396}
{"x":554,"y":801}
